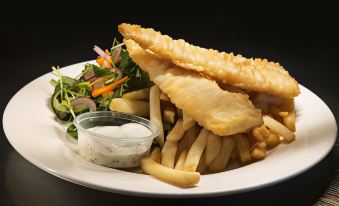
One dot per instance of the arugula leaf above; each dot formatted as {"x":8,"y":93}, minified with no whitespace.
{"x":125,"y":61}
{"x":138,"y":78}
{"x":99,"y":71}
{"x":122,"y":89}
{"x":85,"y":88}
{"x":72,"y":131}
{"x":103,"y":102}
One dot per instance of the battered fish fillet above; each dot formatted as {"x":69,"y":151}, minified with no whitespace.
{"x":250,"y":74}
{"x":223,"y":113}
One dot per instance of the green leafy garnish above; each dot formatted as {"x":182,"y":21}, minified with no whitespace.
{"x":103,"y":102}
{"x":99,"y":71}
{"x":72,"y":131}
{"x":68,"y":89}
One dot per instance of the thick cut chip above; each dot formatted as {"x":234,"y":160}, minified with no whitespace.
{"x":222,"y":112}
{"x":251,"y":74}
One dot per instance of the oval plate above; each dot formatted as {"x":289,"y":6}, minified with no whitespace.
{"x":40,"y":138}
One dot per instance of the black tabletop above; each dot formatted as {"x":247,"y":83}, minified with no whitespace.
{"x":305,"y":45}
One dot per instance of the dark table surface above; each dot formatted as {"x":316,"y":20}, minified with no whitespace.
{"x":304,"y":45}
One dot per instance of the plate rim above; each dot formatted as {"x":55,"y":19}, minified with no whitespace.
{"x":164,"y":195}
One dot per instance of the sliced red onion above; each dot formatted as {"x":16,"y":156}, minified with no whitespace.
{"x":92,"y":79}
{"x":116,"y":55}
{"x":80,"y":102}
{"x":99,"y":51}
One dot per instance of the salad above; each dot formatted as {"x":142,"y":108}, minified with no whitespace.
{"x":93,"y":89}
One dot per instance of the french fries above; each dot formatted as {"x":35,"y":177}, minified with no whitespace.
{"x":181,"y":160}
{"x":190,"y":150}
{"x":220,"y":162}
{"x":243,"y":148}
{"x":258,"y":151}
{"x":289,"y":120}
{"x":177,"y":132}
{"x":263,"y":134}
{"x":188,"y":122}
{"x":136,"y":107}
{"x":169,"y":115}
{"x":277,"y":111}
{"x":195,"y":152}
{"x":192,"y":135}
{"x":182,"y":145}
{"x":213,"y":147}
{"x":176,"y":177}
{"x":142,"y":94}
{"x":155,"y":112}
{"x":168,"y":153}
{"x":187,"y":140}
{"x":272,"y":140}
{"x":279,"y":128}
{"x":156,"y":154}
{"x":202,"y":166}
{"x":259,"y":133}
{"x":188,"y":153}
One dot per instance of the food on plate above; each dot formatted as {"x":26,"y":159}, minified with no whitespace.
{"x":142,"y":94}
{"x":95,"y":87}
{"x":202,"y":166}
{"x":108,"y":152}
{"x":155,"y":112}
{"x":188,"y":122}
{"x":242,"y":146}
{"x":196,"y":150}
{"x":181,"y":160}
{"x":250,"y":74}
{"x":279,"y":128}
{"x":213,"y":109}
{"x":177,"y":132}
{"x":213,"y":147}
{"x":169,"y":114}
{"x":156,"y":154}
{"x":220,"y":162}
{"x":168,"y":153}
{"x":222,"y":112}
{"x":131,"y":106}
{"x":177,"y":177}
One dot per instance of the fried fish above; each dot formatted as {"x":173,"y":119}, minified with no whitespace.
{"x":222,"y":112}
{"x":251,"y":74}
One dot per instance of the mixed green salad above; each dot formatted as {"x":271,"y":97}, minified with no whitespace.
{"x":93,"y":89}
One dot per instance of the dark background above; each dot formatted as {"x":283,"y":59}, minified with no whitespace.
{"x":303,"y":38}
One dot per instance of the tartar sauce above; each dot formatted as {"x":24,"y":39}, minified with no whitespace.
{"x":112,"y":152}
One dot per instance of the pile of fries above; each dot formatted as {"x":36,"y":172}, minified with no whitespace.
{"x":188,"y":150}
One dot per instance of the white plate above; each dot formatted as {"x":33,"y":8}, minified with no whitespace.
{"x":32,"y":129}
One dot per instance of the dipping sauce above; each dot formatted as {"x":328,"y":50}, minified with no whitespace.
{"x":120,"y":148}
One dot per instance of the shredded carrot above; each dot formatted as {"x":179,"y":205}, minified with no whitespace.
{"x":106,"y":52}
{"x":100,"y":60}
{"x":109,"y":87}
